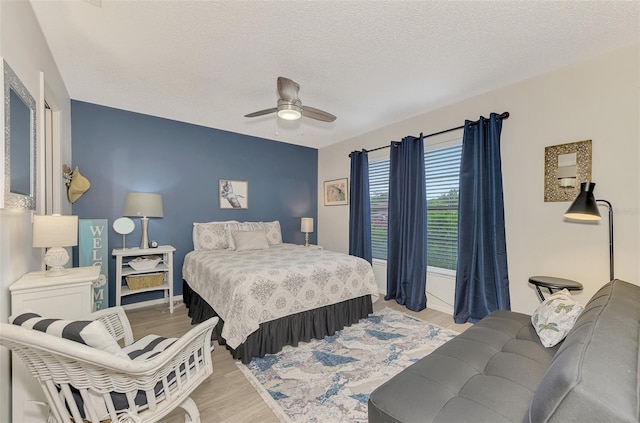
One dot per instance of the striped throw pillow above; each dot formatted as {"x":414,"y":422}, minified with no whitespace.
{"x":88,"y":332}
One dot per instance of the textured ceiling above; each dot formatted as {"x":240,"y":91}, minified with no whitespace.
{"x":370,"y":63}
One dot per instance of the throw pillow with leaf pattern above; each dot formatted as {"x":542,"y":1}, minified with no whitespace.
{"x":555,"y":317}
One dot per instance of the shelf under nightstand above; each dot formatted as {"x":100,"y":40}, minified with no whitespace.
{"x":165,"y":266}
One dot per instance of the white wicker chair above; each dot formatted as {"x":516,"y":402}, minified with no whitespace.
{"x":105,"y":382}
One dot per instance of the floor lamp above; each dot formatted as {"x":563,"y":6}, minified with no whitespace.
{"x":585,"y":207}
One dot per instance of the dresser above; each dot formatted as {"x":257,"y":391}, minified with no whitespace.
{"x":68,"y":296}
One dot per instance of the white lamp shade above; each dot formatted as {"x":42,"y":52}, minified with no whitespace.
{"x":143,"y":204}
{"x":55,"y":231}
{"x":306,"y":224}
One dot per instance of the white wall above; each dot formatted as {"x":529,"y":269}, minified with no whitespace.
{"x":598,"y":100}
{"x":23,"y":46}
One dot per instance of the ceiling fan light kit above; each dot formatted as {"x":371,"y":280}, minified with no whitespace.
{"x":288,"y":111}
{"x":289,"y":105}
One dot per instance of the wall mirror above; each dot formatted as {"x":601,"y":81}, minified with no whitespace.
{"x":565,"y":167}
{"x":19,"y":143}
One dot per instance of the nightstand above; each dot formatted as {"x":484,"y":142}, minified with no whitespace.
{"x":68,"y":296}
{"x":123,"y":270}
{"x":314,"y":247}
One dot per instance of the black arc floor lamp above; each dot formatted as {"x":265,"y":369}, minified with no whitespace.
{"x":585,"y":207}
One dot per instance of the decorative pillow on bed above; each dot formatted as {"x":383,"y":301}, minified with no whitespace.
{"x":274,"y":233}
{"x":250,"y":240}
{"x":210,"y":236}
{"x":206,"y":235}
{"x":87,"y":332}
{"x":555,"y":317}
{"x":244,"y":226}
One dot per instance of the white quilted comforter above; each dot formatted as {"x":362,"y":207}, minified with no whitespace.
{"x":247,"y":288}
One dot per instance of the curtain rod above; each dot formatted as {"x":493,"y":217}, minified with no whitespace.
{"x":504,"y":115}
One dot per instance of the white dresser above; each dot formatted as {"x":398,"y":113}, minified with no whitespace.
{"x":67,"y":297}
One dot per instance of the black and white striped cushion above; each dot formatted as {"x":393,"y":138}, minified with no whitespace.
{"x":88,"y":332}
{"x":148,"y":347}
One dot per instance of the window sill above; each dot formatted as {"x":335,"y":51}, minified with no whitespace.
{"x":451,"y":274}
{"x":447,"y":273}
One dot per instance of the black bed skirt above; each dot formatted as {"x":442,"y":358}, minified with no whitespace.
{"x":289,"y":330}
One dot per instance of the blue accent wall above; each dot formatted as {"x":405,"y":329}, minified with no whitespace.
{"x":121,"y":151}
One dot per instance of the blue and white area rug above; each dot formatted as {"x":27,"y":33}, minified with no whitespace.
{"x":330,"y":380}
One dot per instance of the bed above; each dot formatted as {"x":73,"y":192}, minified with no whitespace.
{"x":276,"y":295}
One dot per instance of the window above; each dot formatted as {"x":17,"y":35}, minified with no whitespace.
{"x":379,"y":195}
{"x":442,"y":170}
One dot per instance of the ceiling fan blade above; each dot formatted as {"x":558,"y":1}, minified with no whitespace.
{"x":287,"y":89}
{"x":261,"y":112}
{"x":313,"y":113}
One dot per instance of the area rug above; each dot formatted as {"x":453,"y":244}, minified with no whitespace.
{"x":330,"y":380}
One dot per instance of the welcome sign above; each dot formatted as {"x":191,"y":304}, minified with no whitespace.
{"x":93,"y":244}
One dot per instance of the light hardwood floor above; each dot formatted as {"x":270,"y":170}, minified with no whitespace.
{"x":227,"y":396}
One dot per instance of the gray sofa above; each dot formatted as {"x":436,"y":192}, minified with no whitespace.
{"x":498,"y":371}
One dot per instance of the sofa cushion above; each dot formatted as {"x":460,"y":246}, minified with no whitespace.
{"x":595,"y":375}
{"x":489,"y":373}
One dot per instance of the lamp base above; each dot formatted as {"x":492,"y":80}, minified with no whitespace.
{"x":306,"y":239}
{"x":144,"y":241}
{"x":56,"y":258}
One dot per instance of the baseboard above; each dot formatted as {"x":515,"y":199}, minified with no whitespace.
{"x":177,"y":302}
{"x":438,"y":307}
{"x":443,"y":309}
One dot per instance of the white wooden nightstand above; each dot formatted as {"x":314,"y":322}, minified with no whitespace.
{"x":124,"y":270}
{"x":68,"y":296}
{"x":314,"y":247}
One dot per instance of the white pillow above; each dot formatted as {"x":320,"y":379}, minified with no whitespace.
{"x":196,"y":235}
{"x":89,"y":332}
{"x":250,"y":240}
{"x":555,"y":317}
{"x":244,"y":226}
{"x":274,"y":233}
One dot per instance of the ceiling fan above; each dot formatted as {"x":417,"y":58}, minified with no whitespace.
{"x":289,"y":105}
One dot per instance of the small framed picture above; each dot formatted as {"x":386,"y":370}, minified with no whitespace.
{"x":233,"y":194}
{"x":336,"y":192}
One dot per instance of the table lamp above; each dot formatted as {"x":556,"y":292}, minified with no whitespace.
{"x":144,"y":205}
{"x":55,"y":232}
{"x":585,"y":207}
{"x":306,"y":226}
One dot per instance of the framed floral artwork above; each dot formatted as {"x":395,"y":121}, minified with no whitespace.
{"x":336,"y":192}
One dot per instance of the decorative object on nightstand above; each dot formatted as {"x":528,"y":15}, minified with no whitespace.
{"x":306,"y":226}
{"x":144,"y":262}
{"x":158,"y":277}
{"x":551,"y":283}
{"x":55,"y":232}
{"x":585,"y":207}
{"x":144,"y":205}
{"x":124,"y":226}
